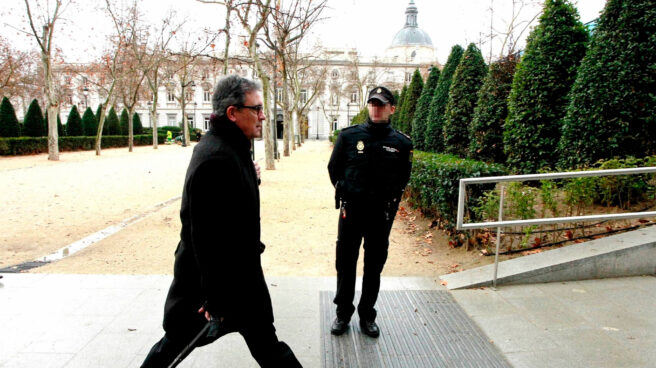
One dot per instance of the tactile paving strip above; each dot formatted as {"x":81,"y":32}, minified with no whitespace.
{"x":419,"y":328}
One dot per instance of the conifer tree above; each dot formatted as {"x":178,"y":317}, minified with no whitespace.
{"x":398,"y":119}
{"x":463,"y":96}
{"x":486,"y":130}
{"x":111,"y":123}
{"x":434,"y":140}
{"x":89,"y":123}
{"x":423,"y":107}
{"x":410,"y":104}
{"x":397,"y":102}
{"x":612,"y":108}
{"x":538,"y":97}
{"x":137,"y":127}
{"x":123,"y":122}
{"x":33,"y":123}
{"x":9,"y":126}
{"x":74,"y":126}
{"x":361,"y":117}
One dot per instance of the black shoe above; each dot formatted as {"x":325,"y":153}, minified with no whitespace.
{"x":339,"y":326}
{"x":370,"y":328}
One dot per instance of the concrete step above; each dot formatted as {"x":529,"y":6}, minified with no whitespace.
{"x":627,"y":254}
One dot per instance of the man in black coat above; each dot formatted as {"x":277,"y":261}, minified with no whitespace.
{"x":369,"y":167}
{"x":217,"y":275}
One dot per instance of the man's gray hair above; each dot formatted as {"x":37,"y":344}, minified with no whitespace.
{"x":231,"y":90}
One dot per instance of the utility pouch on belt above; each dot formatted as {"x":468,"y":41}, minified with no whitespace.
{"x":338,"y":194}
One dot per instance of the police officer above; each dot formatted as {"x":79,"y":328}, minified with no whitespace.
{"x":369,"y":167}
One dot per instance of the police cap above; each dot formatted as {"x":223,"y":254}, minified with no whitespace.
{"x":381,"y":94}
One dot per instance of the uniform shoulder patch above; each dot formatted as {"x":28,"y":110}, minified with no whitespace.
{"x":403,"y":134}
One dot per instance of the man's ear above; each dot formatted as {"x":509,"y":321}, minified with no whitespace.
{"x":230,"y":113}
{"x":393,"y":109}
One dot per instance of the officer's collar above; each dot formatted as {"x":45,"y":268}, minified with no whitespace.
{"x":377,"y":127}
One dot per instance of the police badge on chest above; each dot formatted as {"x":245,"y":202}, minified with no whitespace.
{"x":360,"y":147}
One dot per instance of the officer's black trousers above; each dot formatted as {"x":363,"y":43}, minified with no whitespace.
{"x":261,"y":339}
{"x":372,"y":222}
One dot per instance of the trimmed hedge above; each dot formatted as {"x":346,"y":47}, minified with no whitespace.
{"x":29,"y":145}
{"x":434,"y":183}
{"x":423,"y":108}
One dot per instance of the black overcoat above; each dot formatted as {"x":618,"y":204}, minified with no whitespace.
{"x":217,"y":261}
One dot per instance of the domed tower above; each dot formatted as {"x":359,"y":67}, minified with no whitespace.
{"x":411,"y":44}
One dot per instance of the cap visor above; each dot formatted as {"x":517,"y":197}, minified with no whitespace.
{"x":379,"y":98}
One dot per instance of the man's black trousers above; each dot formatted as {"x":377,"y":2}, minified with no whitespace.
{"x":371,"y":222}
{"x":261,"y":339}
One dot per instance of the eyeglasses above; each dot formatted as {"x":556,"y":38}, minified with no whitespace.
{"x":257,"y":108}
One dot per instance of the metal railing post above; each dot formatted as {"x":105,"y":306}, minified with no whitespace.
{"x":496,"y":253}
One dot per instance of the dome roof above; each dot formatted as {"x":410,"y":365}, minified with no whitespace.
{"x":411,"y":34}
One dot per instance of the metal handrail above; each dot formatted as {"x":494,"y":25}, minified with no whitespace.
{"x":553,"y":220}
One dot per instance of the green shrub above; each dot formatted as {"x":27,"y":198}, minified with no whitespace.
{"x":462,"y":100}
{"x":486,"y":130}
{"x":124,"y":122}
{"x":74,"y":123}
{"x":334,"y":136}
{"x":34,"y":145}
{"x":361,"y":117}
{"x":612,"y":112}
{"x":111,"y":125}
{"x":33,"y":124}
{"x":90,"y":123}
{"x":423,"y":108}
{"x":398,"y":116}
{"x":538,"y":97}
{"x":9,"y":126}
{"x":137,"y":127}
{"x":434,"y":140}
{"x":434,"y":183}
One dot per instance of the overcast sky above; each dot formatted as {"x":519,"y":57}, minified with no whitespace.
{"x":368,"y":25}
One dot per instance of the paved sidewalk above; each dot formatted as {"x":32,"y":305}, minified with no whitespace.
{"x":55,"y":320}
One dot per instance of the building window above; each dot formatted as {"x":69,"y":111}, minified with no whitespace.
{"x":206,"y":121}
{"x":354,"y":97}
{"x":205,"y":74}
{"x":170,"y":96}
{"x":190,"y":120}
{"x":255,"y":75}
{"x":207,"y":96}
{"x":334,"y":74}
{"x":303,"y":96}
{"x":279,"y":94}
{"x":189,"y":95}
{"x":408,"y":77}
{"x":333,"y":118}
{"x":334,"y":99}
{"x":69,"y":99}
{"x":172,"y":119}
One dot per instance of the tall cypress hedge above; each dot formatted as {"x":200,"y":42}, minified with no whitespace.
{"x":89,"y":122}
{"x":410,"y":105}
{"x":111,"y":126}
{"x":398,"y":116}
{"x":612,"y":109}
{"x":434,"y":140}
{"x":538,"y":98}
{"x":486,"y":130}
{"x":137,"y":127}
{"x":123,"y":122}
{"x":463,"y":96}
{"x":74,"y":126}
{"x":33,"y":123}
{"x":8,"y":122}
{"x":423,"y":107}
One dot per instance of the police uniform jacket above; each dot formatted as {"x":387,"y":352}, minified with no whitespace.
{"x":217,"y":261}
{"x":370,"y":162}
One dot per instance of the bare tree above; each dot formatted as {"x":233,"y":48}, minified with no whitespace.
{"x":230,"y":7}
{"x":182,"y":63}
{"x":287,"y":28}
{"x":514,"y":27}
{"x":46,"y":24}
{"x":253,"y":15}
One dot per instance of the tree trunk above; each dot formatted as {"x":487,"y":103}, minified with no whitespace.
{"x":130,"y":130}
{"x":53,"y":108}
{"x":153,"y":123}
{"x":101,"y":123}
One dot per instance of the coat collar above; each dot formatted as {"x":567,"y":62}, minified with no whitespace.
{"x":378,"y":128}
{"x":231,"y":133}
